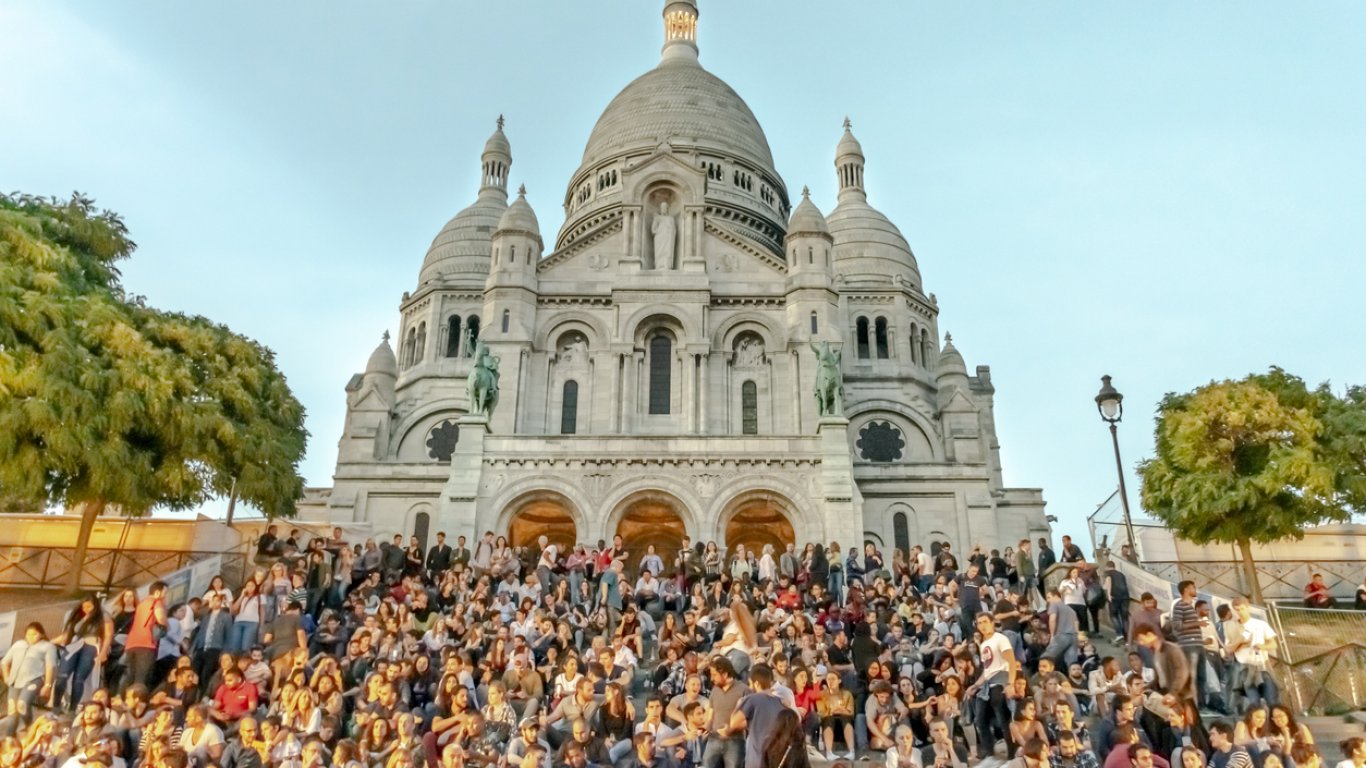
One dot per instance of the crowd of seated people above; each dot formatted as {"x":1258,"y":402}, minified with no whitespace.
{"x":358,"y":655}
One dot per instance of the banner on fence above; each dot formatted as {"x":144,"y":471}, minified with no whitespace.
{"x":190,"y":581}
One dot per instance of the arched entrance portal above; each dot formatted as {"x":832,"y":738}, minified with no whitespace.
{"x":548,"y":517}
{"x":651,"y":521}
{"x":758,"y":522}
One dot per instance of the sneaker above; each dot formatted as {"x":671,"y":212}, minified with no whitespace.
{"x":850,"y":755}
{"x":829,"y":756}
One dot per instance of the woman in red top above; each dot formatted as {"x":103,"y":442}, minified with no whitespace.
{"x":805,"y":694}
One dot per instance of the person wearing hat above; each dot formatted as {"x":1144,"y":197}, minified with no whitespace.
{"x":528,"y":741}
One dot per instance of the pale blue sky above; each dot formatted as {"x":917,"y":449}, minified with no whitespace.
{"x":1168,"y":192}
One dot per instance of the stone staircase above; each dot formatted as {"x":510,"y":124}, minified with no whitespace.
{"x":1330,"y":730}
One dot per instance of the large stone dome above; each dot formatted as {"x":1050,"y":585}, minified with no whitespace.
{"x":684,"y":104}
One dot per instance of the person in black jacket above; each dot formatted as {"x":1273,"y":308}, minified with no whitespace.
{"x":1046,"y":557}
{"x":439,"y":557}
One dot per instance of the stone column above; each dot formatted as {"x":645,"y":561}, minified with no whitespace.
{"x":703,"y":386}
{"x":459,"y":513}
{"x":843,"y":505}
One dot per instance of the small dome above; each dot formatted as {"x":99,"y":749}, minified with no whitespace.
{"x":519,"y":216}
{"x":950,"y":361}
{"x":382,"y":360}
{"x":498,"y":143}
{"x":848,"y":144}
{"x":807,"y":218}
{"x":868,"y":247}
{"x":463,"y":247}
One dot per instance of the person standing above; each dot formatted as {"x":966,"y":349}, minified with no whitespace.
{"x":609,"y":593}
{"x":787,"y":564}
{"x":1185,"y":618}
{"x":757,"y":715}
{"x":439,"y":557}
{"x":1024,"y":569}
{"x":149,"y":623}
{"x":725,"y":748}
{"x":29,"y":669}
{"x":1174,"y":675}
{"x":1252,"y":646}
{"x":1046,"y":557}
{"x":1117,"y":591}
{"x":988,"y":693}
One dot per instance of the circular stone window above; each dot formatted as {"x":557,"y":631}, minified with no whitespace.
{"x":441,"y":441}
{"x":880,"y":441}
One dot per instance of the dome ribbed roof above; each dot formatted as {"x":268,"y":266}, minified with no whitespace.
{"x":682,"y":103}
{"x":464,"y":245}
{"x":868,"y":246}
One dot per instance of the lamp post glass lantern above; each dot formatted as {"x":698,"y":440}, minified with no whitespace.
{"x":1110,"y":404}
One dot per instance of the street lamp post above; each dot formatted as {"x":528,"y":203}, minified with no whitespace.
{"x":1110,"y":403}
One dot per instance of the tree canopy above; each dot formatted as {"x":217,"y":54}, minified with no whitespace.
{"x":1259,"y":459}
{"x":107,"y":401}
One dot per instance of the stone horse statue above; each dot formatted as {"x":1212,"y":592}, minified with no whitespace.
{"x":829,"y":380}
{"x":482,"y":385}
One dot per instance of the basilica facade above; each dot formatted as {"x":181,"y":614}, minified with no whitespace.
{"x":656,"y":364}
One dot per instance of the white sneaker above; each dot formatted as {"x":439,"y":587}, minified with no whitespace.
{"x":829,"y":757}
{"x":850,"y":755}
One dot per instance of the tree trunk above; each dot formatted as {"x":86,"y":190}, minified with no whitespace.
{"x":90,"y":510}
{"x":1250,"y":568}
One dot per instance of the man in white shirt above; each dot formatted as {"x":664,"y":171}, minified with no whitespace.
{"x":647,"y":589}
{"x":988,"y":693}
{"x":1251,"y":651}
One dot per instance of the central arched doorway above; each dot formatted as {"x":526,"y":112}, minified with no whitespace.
{"x":651,"y":520}
{"x":757,"y":522}
{"x":549,"y":517}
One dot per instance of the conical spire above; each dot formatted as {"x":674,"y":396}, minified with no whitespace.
{"x":680,"y":31}
{"x":496,"y":162}
{"x":849,"y":163}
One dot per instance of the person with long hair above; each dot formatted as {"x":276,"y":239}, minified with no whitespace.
{"x":86,"y":637}
{"x":786,"y":747}
{"x":739,"y":639}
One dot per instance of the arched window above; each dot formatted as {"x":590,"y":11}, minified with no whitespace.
{"x":901,"y":532}
{"x":453,"y":336}
{"x":861,"y":337}
{"x":915,"y":339}
{"x":880,"y":336}
{"x":814,"y":324}
{"x":926,"y":348}
{"x":810,"y":255}
{"x":569,"y":413}
{"x":749,"y":408}
{"x":661,"y":358}
{"x":409,"y":347}
{"x":507,"y":318}
{"x":421,"y":342}
{"x":471,"y":328}
{"x":512,"y":254}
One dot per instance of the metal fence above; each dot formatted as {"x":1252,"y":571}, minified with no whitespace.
{"x":1281,"y":580}
{"x":104,"y":569}
{"x":1320,"y":663}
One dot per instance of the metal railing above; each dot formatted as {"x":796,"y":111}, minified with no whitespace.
{"x":1320,"y":663}
{"x":104,"y":569}
{"x":1281,"y":580}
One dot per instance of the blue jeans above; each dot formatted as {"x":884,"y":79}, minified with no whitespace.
{"x":1062,"y":649}
{"x":724,"y":753}
{"x":75,"y":670}
{"x":242,"y":636}
{"x":836,"y":586}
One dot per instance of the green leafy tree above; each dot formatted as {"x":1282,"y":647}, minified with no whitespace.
{"x":108,"y":404}
{"x":1257,"y":460}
